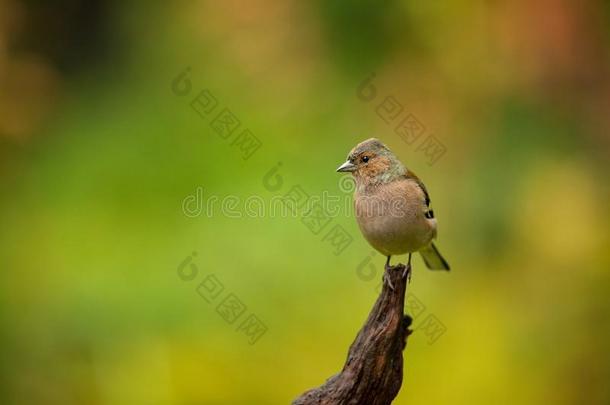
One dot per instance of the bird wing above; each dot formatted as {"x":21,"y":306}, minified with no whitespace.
{"x":411,"y":176}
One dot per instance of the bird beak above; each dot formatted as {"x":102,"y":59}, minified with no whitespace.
{"x":347,"y":167}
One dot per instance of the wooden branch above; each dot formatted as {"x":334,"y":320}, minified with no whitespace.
{"x":372,"y":373}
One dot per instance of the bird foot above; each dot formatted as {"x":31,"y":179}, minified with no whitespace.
{"x":386,"y":278}
{"x":407,"y":272}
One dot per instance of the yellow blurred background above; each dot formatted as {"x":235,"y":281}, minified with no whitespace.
{"x":121,"y":121}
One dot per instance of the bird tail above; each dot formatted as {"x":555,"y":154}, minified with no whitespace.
{"x":433,"y":259}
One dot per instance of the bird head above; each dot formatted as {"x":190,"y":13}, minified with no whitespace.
{"x":371,"y":162}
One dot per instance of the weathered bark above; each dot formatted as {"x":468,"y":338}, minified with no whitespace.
{"x":372,"y":374}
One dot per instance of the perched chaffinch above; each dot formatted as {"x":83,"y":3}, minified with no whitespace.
{"x":392,"y":205}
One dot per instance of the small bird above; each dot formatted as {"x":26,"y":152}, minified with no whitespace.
{"x":392,"y":205}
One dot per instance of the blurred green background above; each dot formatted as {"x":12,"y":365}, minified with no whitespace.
{"x":99,"y":152}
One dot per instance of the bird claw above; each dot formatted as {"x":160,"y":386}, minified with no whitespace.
{"x":386,"y":280}
{"x":407,"y":272}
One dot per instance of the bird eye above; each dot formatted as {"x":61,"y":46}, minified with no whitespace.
{"x":365,"y":159}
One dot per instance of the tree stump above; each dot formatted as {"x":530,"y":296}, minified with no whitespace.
{"x":372,"y":374}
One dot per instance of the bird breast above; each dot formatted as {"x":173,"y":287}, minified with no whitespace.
{"x":391,"y":217}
